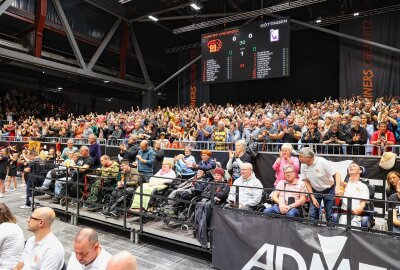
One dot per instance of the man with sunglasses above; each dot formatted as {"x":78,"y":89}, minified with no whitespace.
{"x":43,"y":251}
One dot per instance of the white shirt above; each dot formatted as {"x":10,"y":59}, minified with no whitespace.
{"x":100,"y":263}
{"x":11,"y":245}
{"x":320,"y":174}
{"x":355,"y":190}
{"x":47,"y":254}
{"x":250,"y":193}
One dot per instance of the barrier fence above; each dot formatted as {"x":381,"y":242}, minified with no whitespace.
{"x":79,"y":186}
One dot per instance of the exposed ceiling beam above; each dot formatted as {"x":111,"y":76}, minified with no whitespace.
{"x":247,"y":15}
{"x":5,"y":5}
{"x":104,"y":43}
{"x":69,"y":33}
{"x":31,"y":60}
{"x":163,"y":11}
{"x":185,"y":17}
{"x":139,"y":55}
{"x":109,"y":6}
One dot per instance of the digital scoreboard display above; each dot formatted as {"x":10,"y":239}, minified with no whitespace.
{"x":252,"y":52}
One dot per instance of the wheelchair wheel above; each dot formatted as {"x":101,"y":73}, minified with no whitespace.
{"x":184,"y":228}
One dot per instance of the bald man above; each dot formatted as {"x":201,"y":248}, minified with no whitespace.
{"x":88,"y":253}
{"x":122,"y":261}
{"x":145,"y":158}
{"x":43,"y":251}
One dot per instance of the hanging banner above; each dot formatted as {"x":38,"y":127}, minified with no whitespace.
{"x":367,"y":70}
{"x":192,"y":93}
{"x":253,"y":242}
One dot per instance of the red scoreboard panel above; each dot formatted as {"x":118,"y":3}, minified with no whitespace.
{"x":255,"y":51}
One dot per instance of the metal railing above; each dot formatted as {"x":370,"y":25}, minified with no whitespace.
{"x":320,"y":148}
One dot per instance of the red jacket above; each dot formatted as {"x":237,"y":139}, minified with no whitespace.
{"x":389,"y":137}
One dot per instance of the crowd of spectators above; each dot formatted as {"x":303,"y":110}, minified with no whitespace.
{"x":355,"y":121}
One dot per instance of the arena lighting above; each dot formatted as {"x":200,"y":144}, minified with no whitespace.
{"x":355,"y":14}
{"x":318,"y":20}
{"x":105,"y":81}
{"x":247,"y":15}
{"x":196,"y":5}
{"x":59,"y":88}
{"x":152,"y":18}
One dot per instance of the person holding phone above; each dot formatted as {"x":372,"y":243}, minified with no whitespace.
{"x":286,"y":196}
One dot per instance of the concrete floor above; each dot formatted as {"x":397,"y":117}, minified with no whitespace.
{"x":148,"y":256}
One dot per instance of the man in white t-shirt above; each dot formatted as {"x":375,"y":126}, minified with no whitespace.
{"x":88,"y":253}
{"x":354,"y":189}
{"x":322,"y":181}
{"x":122,"y":261}
{"x":43,"y":251}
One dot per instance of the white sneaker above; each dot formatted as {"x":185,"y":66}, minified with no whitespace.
{"x":25,"y":207}
{"x":23,"y":196}
{"x":1,"y":195}
{"x":14,"y":189}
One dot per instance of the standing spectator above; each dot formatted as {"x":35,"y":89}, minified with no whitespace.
{"x":334,"y":137}
{"x":233,"y":134}
{"x":319,"y":177}
{"x":366,"y":124}
{"x":87,"y":130}
{"x":290,"y":133}
{"x":43,"y":251}
{"x":237,"y":158}
{"x":145,"y":159}
{"x":285,"y":158}
{"x":312,"y":134}
{"x":159,"y":156}
{"x":11,"y":239}
{"x":129,"y":151}
{"x":204,"y":132}
{"x":12,"y":171}
{"x":88,"y":253}
{"x":269,"y":134}
{"x":220,"y":136}
{"x":382,"y":138}
{"x":94,"y":150}
{"x":359,"y":137}
{"x":3,"y":170}
{"x":251,"y":133}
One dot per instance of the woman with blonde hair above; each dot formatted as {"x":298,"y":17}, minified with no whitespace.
{"x":164,"y":176}
{"x":392,"y":179}
{"x":11,"y":239}
{"x":285,"y":157}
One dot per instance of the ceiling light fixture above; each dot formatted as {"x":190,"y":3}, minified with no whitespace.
{"x":106,"y":81}
{"x":318,"y":20}
{"x":59,"y":88}
{"x":355,"y":14}
{"x":196,"y":5}
{"x":151,"y":17}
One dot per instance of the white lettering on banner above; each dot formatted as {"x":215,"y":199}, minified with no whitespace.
{"x":331,"y":248}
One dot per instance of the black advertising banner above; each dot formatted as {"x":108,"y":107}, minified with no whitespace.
{"x":253,"y":242}
{"x":191,"y":91}
{"x":367,"y":70}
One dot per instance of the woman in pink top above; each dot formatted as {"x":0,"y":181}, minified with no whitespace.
{"x":285,"y":157}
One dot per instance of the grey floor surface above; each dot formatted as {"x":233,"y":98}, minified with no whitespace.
{"x":148,"y":256}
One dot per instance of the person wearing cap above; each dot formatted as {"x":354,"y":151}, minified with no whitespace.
{"x":218,"y":190}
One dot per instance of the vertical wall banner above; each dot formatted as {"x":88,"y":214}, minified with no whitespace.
{"x":252,"y":242}
{"x":192,"y":92}
{"x":367,"y":70}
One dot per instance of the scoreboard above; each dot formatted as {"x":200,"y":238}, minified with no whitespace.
{"x":255,"y":51}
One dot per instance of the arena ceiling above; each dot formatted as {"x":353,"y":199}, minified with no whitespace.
{"x":85,"y":55}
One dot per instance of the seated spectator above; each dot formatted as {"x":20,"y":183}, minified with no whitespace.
{"x":123,"y":260}
{"x":382,"y":138}
{"x":88,"y":253}
{"x":128,"y":181}
{"x":392,"y":179}
{"x":186,"y":191}
{"x":67,"y":151}
{"x":354,"y":189}
{"x":285,"y":157}
{"x":206,"y":164}
{"x":164,"y":176}
{"x":11,"y":239}
{"x":129,"y":151}
{"x":202,"y":215}
{"x":250,"y":189}
{"x":183,"y":164}
{"x":396,"y":208}
{"x":43,"y":250}
{"x":109,"y":172}
{"x":288,"y":201}
{"x":63,"y":176}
